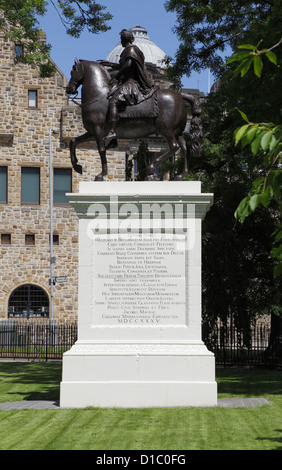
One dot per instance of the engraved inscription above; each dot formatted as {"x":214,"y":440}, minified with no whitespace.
{"x":139,"y":280}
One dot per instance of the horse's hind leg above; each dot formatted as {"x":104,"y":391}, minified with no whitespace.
{"x":173,"y":147}
{"x":73,"y":145}
{"x":183,"y":146}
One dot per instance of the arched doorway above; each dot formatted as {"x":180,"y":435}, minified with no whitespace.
{"x":28,"y":301}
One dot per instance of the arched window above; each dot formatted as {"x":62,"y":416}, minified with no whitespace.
{"x":28,"y":301}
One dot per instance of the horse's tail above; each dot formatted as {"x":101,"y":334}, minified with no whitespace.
{"x":196,"y":130}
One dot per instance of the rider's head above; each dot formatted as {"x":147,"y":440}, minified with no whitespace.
{"x":126,"y":37}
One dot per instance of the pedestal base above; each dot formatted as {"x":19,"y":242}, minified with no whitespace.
{"x":138,"y":376}
{"x":139,"y":298}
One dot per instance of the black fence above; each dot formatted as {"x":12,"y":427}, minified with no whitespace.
{"x":36,"y":340}
{"x":259,"y":345}
{"x":32,"y":340}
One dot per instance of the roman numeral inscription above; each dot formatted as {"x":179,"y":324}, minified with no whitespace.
{"x":139,"y":280}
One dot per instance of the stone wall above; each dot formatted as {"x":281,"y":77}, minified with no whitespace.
{"x":24,"y":141}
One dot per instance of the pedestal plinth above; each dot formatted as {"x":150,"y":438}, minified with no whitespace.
{"x":139,"y":310}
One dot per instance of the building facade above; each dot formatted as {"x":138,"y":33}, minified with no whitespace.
{"x":30,"y":107}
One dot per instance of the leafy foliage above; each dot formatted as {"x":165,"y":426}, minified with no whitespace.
{"x":237,"y":270}
{"x":251,"y":55}
{"x":265,"y":141}
{"x":19,"y":20}
{"x":78,"y":15}
{"x":205,"y":27}
{"x":237,"y":267}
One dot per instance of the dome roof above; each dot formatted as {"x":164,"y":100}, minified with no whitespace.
{"x":153,"y":54}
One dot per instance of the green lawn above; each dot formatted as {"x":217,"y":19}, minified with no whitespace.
{"x":215,"y":428}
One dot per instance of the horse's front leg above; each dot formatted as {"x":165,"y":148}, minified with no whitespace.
{"x":102,"y":153}
{"x":73,"y":144}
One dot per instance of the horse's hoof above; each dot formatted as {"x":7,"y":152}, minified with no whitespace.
{"x":99,"y":178}
{"x":78,"y":169}
{"x":150,"y":178}
{"x":112,"y":144}
{"x":180,"y":177}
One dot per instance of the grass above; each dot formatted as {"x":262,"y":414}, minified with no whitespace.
{"x":215,"y":428}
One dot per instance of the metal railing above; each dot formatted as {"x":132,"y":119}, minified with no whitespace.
{"x":256,"y":346}
{"x":41,"y":340}
{"x":36,"y":340}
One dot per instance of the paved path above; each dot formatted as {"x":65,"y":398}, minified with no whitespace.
{"x":231,"y":402}
{"x":32,"y":405}
{"x":54,"y":405}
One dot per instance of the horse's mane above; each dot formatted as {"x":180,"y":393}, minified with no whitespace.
{"x":100,"y":66}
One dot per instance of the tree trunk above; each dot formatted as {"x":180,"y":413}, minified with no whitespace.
{"x":275,"y":340}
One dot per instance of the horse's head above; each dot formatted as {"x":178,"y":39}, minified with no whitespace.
{"x":76,"y":78}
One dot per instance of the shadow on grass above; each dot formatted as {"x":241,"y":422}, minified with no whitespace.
{"x":273,"y":439}
{"x":249,"y":382}
{"x":32,"y":380}
{"x":41,"y":381}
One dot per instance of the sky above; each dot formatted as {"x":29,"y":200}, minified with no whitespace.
{"x":149,"y":14}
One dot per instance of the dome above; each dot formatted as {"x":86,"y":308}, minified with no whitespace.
{"x":153,"y":54}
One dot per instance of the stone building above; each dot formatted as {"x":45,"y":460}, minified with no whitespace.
{"x":30,"y":107}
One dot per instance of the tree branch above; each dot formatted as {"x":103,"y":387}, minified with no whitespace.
{"x":276,"y":45}
{"x":219,"y":43}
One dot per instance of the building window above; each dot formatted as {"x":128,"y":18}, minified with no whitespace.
{"x":55,"y":239}
{"x":29,"y":239}
{"x":30,"y":186}
{"x":5,"y":239}
{"x":3,"y":184}
{"x":18,"y":50}
{"x":62,"y":185}
{"x":32,"y":99}
{"x":28,"y":301}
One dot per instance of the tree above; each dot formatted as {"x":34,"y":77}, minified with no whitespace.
{"x":237,"y":269}
{"x":265,"y":141}
{"x":206,"y":27}
{"x":19,"y":20}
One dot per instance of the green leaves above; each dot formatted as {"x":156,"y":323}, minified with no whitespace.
{"x":271,"y":57}
{"x":240,"y":133}
{"x":250,"y":55}
{"x":20,"y":23}
{"x":258,"y":65}
{"x":205,"y":27}
{"x":264,"y":139}
{"x":79,"y":15}
{"x":260,"y":136}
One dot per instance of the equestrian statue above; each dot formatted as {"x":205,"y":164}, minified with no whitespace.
{"x":118,"y":101}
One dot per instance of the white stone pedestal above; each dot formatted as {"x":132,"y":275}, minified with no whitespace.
{"x":139,"y":314}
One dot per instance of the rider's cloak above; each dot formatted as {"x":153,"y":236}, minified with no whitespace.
{"x":135,"y":85}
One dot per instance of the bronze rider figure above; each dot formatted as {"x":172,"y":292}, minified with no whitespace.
{"x":134,"y":85}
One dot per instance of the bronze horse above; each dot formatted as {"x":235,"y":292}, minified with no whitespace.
{"x":170,"y":122}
